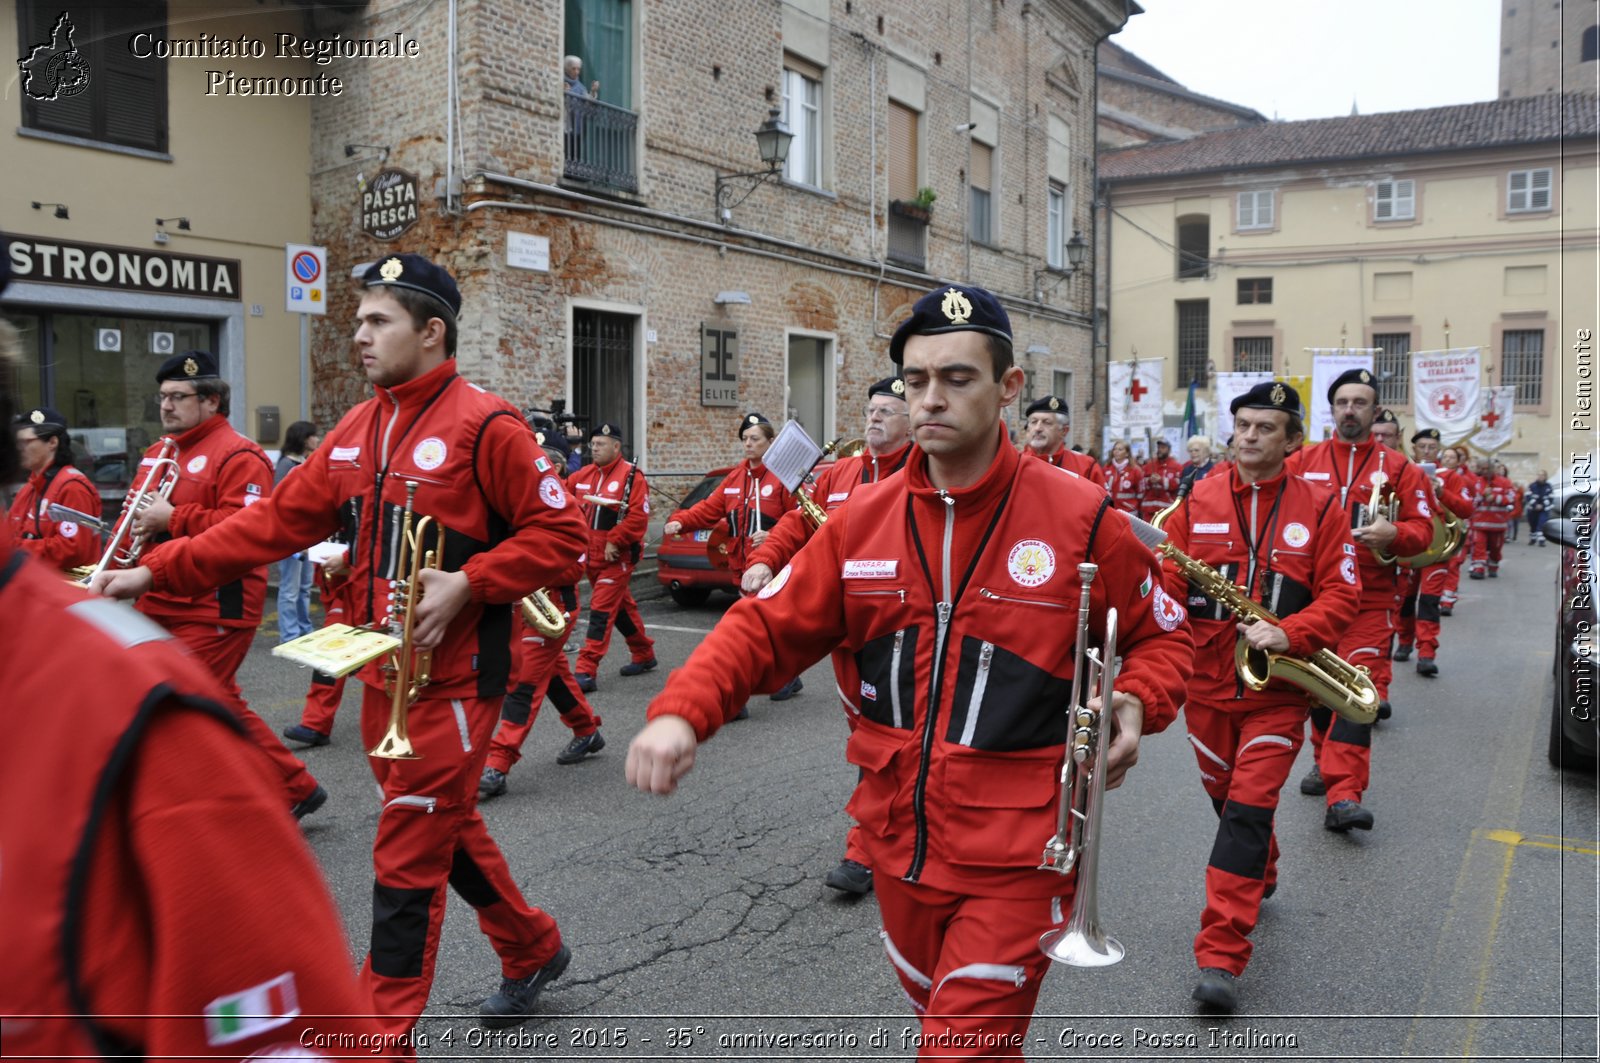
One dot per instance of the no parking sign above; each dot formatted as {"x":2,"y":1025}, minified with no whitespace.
{"x":306,"y":280}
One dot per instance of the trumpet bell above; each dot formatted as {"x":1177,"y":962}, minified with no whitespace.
{"x":848,"y":448}
{"x":394,"y":746}
{"x":1081,"y":946}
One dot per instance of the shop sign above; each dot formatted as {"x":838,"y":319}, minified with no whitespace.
{"x":389,"y":204}
{"x":48,"y":261}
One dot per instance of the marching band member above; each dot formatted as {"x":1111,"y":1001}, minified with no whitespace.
{"x":1419,"y":611}
{"x":326,"y":692}
{"x":1286,"y":543}
{"x":45,"y":452}
{"x":1047,"y":426}
{"x":1493,"y":502}
{"x":1456,"y":477}
{"x":1354,"y":464}
{"x":1386,"y":429}
{"x":1124,"y":479}
{"x":615,"y":499}
{"x":510,"y":527}
{"x":220,"y":473}
{"x":888,"y":439}
{"x":959,"y":564}
{"x":1162,"y":475}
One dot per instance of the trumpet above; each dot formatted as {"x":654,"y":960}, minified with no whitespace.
{"x":1076,"y":842}
{"x":408,"y":669}
{"x":839,"y":449}
{"x":1449,"y":535}
{"x":125,"y":545}
{"x":544,"y":616}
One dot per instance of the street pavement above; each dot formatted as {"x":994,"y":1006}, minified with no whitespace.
{"x":1463,"y":926}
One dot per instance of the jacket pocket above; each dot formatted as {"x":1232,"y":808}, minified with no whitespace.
{"x":1003,"y":702}
{"x":998,"y":809}
{"x":888,"y":669}
{"x":874,"y":802}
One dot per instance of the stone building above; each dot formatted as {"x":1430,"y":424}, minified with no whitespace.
{"x":1549,"y":46}
{"x":1139,"y":104}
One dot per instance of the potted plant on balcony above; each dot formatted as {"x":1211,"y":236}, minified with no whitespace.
{"x":920,"y":208}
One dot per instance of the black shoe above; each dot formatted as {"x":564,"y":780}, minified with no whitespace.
{"x":1401,"y":653}
{"x":586,"y":683}
{"x":310,"y":803}
{"x":789,"y":690}
{"x":1425,"y":666}
{"x":1474,"y":575}
{"x":1345,"y":815}
{"x":743,"y":713}
{"x":305,"y":735}
{"x":637,"y":667}
{"x":1447,"y":610}
{"x":581,"y":746}
{"x":1272,"y":887}
{"x":1494,"y":573}
{"x":492,"y":783}
{"x":850,"y":877}
{"x":1541,"y":542}
{"x":1216,"y":990}
{"x":1385,"y":710}
{"x":1312,"y":785}
{"x":513,"y":1005}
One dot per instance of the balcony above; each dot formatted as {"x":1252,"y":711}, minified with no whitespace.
{"x":908,"y":234}
{"x":601,"y":143}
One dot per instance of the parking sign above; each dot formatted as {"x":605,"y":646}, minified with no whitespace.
{"x":306,"y":279}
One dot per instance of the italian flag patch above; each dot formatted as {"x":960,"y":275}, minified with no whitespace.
{"x":1144,"y":588}
{"x":252,"y":1011}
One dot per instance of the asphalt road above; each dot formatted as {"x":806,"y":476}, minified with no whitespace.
{"x":1463,"y":926}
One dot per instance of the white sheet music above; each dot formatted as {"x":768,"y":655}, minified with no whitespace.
{"x":792,"y":455}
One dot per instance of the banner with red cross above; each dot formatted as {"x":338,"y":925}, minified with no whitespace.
{"x":1135,"y":390}
{"x":1445,"y":391}
{"x":1494,"y":419}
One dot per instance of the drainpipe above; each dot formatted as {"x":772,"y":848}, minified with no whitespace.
{"x":1094,"y":226}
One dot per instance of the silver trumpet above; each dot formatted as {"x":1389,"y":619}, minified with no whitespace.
{"x":1081,"y":942}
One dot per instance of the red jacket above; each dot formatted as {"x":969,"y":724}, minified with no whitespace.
{"x":151,"y":898}
{"x":1303,"y":569}
{"x":958,"y":608}
{"x":1349,"y":470}
{"x":1456,"y":488}
{"x":1126,"y":485}
{"x":65,"y":544}
{"x":1067,"y":458}
{"x":1160,"y":485}
{"x":833,"y":489}
{"x":1493,"y":503}
{"x":748,"y":500}
{"x":512,"y":527}
{"x":220,"y":473}
{"x":626,"y":522}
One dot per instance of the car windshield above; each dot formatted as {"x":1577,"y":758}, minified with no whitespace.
{"x":701,"y":490}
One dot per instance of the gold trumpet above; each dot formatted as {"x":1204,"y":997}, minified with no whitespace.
{"x":839,"y":449}
{"x":544,"y":616}
{"x":1449,"y":535}
{"x":125,"y":545}
{"x":409,"y":669}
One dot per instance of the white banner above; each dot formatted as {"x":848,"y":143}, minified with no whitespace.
{"x":1445,"y":392}
{"x":1135,"y":394}
{"x":1227,"y":387}
{"x":1495,"y":415}
{"x":1327,"y":364}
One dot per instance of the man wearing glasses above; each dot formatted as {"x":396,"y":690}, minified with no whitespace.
{"x":219,"y":473}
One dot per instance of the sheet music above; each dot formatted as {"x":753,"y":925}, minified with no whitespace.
{"x":792,"y":455}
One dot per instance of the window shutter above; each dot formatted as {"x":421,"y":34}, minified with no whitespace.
{"x":1539,"y":199}
{"x":902,"y":152}
{"x":1384,"y":208}
{"x":980,"y":174}
{"x":1517,"y":191}
{"x":1263,"y":208}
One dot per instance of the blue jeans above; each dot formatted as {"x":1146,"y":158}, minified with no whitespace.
{"x":294,"y":597}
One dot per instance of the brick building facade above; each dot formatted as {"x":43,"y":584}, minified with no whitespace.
{"x":1549,"y":46}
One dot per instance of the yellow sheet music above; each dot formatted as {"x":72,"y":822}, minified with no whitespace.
{"x":337,"y":649}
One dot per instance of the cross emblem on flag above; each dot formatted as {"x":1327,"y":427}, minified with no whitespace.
{"x":1137,"y":390}
{"x":1446,"y":402}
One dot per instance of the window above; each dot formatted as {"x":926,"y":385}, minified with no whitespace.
{"x":1528,"y":190}
{"x":602,"y":368}
{"x":908,"y":230}
{"x":1255,"y":290}
{"x":1058,"y":209}
{"x":980,"y":183}
{"x":1393,"y":366}
{"x":1252,"y":354}
{"x":1194,"y":245}
{"x":600,"y":32}
{"x":802,"y":113}
{"x":602,"y":132}
{"x":1591,"y":45}
{"x":1255,"y":210}
{"x":810,"y":382}
{"x":1194,"y":342}
{"x":1395,"y":200}
{"x":101,"y":90}
{"x":1062,"y":385}
{"x":1522,"y":364}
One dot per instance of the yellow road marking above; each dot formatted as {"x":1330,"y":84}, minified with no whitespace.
{"x":1544,"y":841}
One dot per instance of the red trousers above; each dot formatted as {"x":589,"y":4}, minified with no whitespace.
{"x":970,"y":965}
{"x":1486,"y":546}
{"x":1417,"y":621}
{"x":611,"y":604}
{"x":429,"y":834}
{"x":1344,"y":749}
{"x":1244,"y":758}
{"x":326,"y":692}
{"x":1452,"y":579}
{"x":541,"y":668}
{"x":224,"y":649}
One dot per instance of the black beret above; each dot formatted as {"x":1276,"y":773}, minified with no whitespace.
{"x":951,"y":308}
{"x":1268,"y":395}
{"x":606,"y":428}
{"x":1048,"y":404}
{"x":892,"y":386}
{"x":42,"y":417}
{"x":1427,"y":433}
{"x":751,"y":418}
{"x":1386,"y":416}
{"x":190,"y":365}
{"x":1352,"y":376}
{"x":417,"y":274}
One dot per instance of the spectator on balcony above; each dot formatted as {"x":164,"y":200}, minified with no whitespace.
{"x":573,"y":66}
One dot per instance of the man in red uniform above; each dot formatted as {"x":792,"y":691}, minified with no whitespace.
{"x":1162,"y":475}
{"x":1046,"y":434}
{"x":1419,"y":612}
{"x":1457,"y":478}
{"x":220,"y":473}
{"x":1355,"y":465}
{"x":888,"y":439}
{"x":1287,"y":544}
{"x":1386,"y":429}
{"x":949,"y":585}
{"x":45,"y":451}
{"x":1493,"y":503}
{"x":1124,"y":479}
{"x":615,"y":499}
{"x":510,"y":527}
{"x":144,"y":913}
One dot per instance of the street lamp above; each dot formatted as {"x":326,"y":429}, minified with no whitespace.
{"x":772,"y":141}
{"x":1077,"y":250}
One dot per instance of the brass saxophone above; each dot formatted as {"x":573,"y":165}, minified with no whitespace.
{"x":1331,"y":680}
{"x":808,"y":505}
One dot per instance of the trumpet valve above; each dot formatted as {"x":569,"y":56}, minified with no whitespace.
{"x":1080,"y":745}
{"x":1058,"y":857}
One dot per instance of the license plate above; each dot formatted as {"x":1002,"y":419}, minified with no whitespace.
{"x":703,"y":536}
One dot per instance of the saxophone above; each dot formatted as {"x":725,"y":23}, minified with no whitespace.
{"x":1331,"y":681}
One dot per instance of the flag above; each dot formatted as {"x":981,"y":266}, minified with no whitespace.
{"x":252,"y":1011}
{"x":1494,"y":419}
{"x":1135,"y":393}
{"x":1446,"y":390}
{"x":1191,"y":425}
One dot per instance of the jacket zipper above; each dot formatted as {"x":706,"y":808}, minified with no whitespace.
{"x":985,"y":592}
{"x":980,"y":682}
{"x":945,"y":606}
{"x":377,"y":505}
{"x":868,"y":594}
{"x":1249,"y":572}
{"x":894,"y":677}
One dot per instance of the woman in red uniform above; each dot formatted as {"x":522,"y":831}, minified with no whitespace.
{"x":46,"y":455}
{"x":1124,"y":479}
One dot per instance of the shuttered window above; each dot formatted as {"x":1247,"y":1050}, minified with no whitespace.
{"x":83,"y":78}
{"x":1528,"y":190}
{"x":1395,"y":200}
{"x":902,"y":152}
{"x":980,"y":181}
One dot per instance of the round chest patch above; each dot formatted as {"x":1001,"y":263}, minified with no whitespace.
{"x":1031,"y":562}
{"x":766,"y":490}
{"x":429,"y":454}
{"x":613,"y":485}
{"x":250,"y":500}
{"x":1422,"y":507}
{"x":1168,"y":613}
{"x":68,"y":528}
{"x":1347,"y":569}
{"x":552,"y":494}
{"x":776,"y":585}
{"x":196,"y":463}
{"x":1296,"y":535}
